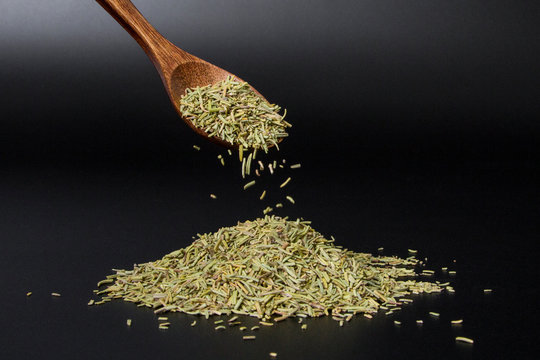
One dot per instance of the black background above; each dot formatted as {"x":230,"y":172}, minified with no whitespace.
{"x":416,"y":123}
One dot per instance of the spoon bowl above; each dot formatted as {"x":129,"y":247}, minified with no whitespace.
{"x":178,"y":69}
{"x":190,"y":75}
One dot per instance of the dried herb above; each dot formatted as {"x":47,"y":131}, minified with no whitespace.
{"x":249,"y":184}
{"x":268,"y":268}
{"x":285,"y":182}
{"x":231,"y":111}
{"x":464,"y":339}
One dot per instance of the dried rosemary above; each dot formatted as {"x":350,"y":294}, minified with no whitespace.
{"x":270,"y":267}
{"x":231,"y":111}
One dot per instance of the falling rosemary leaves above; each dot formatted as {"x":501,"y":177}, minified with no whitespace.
{"x":231,"y":111}
{"x":270,"y":267}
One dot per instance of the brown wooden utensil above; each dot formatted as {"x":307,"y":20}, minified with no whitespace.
{"x":178,"y":69}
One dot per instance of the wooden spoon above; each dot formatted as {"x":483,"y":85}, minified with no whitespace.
{"x":178,"y":69}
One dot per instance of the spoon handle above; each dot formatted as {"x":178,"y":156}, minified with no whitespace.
{"x":163,"y":54}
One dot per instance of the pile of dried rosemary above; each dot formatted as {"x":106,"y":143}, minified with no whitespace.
{"x":231,"y":111}
{"x":268,"y":268}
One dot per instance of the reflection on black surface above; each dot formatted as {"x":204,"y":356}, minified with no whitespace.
{"x":63,"y":231}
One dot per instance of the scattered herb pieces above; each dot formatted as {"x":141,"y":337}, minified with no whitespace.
{"x":464,"y":339}
{"x":249,"y":184}
{"x":285,"y":182}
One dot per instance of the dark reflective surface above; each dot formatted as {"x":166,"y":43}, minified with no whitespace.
{"x":431,"y":143}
